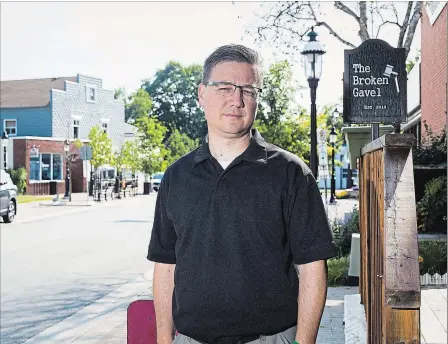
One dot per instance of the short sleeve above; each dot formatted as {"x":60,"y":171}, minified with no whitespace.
{"x":309,"y":230}
{"x":161,"y":248}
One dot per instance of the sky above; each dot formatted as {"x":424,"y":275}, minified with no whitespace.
{"x":124,"y":43}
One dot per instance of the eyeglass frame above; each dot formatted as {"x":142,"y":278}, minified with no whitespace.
{"x":215,"y":83}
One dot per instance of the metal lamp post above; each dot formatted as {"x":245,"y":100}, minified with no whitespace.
{"x":346,"y":160}
{"x":333,"y":137}
{"x":67,"y":169}
{"x":4,"y":146}
{"x":312,"y":53}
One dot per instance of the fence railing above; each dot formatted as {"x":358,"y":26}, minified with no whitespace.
{"x":39,"y":189}
{"x":390,"y":276}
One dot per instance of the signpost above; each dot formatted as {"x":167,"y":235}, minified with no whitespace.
{"x":375,"y":84}
{"x":323,"y":159}
{"x":85,"y":153}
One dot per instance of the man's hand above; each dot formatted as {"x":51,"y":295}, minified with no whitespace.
{"x":312,"y":296}
{"x":163,"y":287}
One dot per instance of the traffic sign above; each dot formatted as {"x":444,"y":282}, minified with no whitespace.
{"x":323,"y":172}
{"x":321,"y":135}
{"x":323,"y":158}
{"x":85,"y":152}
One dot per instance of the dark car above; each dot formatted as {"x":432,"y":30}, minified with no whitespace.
{"x":8,"y":197}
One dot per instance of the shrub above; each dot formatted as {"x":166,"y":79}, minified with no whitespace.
{"x":18,"y":177}
{"x":338,"y":271}
{"x":432,"y":150}
{"x":343,"y":233}
{"x":431,"y":209}
{"x":434,"y":256}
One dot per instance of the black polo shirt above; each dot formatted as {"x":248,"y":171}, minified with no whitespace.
{"x":234,"y":235}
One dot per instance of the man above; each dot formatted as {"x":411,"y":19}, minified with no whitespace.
{"x":236,"y":221}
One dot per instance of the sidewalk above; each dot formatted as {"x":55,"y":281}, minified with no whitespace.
{"x":40,"y":210}
{"x":105,"y":322}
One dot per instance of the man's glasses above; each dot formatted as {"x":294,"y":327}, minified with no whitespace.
{"x":227,"y":89}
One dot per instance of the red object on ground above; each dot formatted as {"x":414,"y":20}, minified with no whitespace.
{"x":141,"y":318}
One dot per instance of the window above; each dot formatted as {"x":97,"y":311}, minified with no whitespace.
{"x":57,"y":167}
{"x":46,"y":166}
{"x":5,"y":156}
{"x":10,"y":126}
{"x":91,"y":93}
{"x":104,"y":126}
{"x":76,"y":129}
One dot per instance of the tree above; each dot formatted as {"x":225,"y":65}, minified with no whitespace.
{"x":178,"y":145}
{"x":277,"y":98}
{"x":287,"y":23}
{"x":140,"y":106}
{"x":101,"y":145}
{"x":151,"y":147}
{"x":290,"y":133}
{"x":120,"y":94}
{"x":173,"y":91}
{"x":130,"y":156}
{"x":410,"y":63}
{"x":119,"y":158}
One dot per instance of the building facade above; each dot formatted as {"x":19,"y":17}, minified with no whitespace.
{"x":434,"y":64}
{"x":39,"y":115}
{"x":431,"y":72}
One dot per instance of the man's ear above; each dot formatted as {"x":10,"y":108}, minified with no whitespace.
{"x":201,"y":90}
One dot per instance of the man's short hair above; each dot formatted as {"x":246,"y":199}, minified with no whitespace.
{"x":233,"y":53}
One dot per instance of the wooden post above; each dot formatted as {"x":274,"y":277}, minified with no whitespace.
{"x":390,"y":279}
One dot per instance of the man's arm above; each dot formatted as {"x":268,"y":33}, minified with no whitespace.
{"x":312,"y":296}
{"x":163,"y":287}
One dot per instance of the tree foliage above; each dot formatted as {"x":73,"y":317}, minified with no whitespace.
{"x":291,"y":133}
{"x":151,"y":148}
{"x":433,"y":149}
{"x":173,"y":91}
{"x":101,"y":145}
{"x":133,"y":158}
{"x":140,"y":105}
{"x":178,"y":145}
{"x":410,"y":63}
{"x":277,"y":98}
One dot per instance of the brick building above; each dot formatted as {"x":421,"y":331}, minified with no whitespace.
{"x":39,"y":115}
{"x":434,"y":64}
{"x":431,"y":73}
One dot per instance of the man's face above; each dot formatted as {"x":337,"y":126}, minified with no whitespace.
{"x":229,"y":114}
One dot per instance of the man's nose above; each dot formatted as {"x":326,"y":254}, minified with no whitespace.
{"x":236,"y":98}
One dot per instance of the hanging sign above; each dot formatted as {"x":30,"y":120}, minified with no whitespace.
{"x":375,"y":83}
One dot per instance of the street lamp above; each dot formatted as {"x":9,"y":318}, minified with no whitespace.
{"x":333,"y":137}
{"x":67,"y":170}
{"x":312,"y":53}
{"x":4,"y":148}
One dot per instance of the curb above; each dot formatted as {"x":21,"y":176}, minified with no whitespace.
{"x":92,"y":323}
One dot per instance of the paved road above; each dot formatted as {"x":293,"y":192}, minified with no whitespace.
{"x":53,"y":267}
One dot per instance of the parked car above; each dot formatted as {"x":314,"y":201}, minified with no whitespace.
{"x":8,"y":197}
{"x":156,"y":179}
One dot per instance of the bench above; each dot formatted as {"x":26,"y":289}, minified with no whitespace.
{"x":105,"y":189}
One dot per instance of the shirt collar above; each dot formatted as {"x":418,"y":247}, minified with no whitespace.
{"x":256,"y":151}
